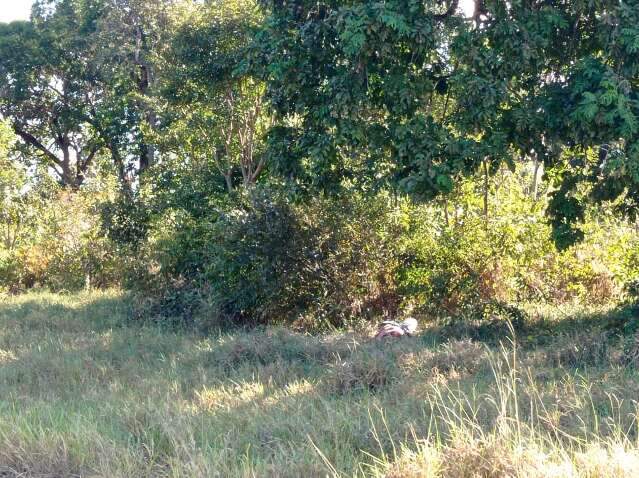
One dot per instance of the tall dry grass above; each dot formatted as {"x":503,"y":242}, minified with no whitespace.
{"x":522,"y":437}
{"x":86,"y":392}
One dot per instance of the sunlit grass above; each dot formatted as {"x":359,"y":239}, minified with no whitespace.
{"x":86,"y":392}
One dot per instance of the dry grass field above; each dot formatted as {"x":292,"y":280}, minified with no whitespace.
{"x":86,"y":392}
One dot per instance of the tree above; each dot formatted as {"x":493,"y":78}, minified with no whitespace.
{"x":361,"y":91}
{"x":12,"y":180}
{"x":216,"y":104}
{"x":414,"y":92}
{"x":560,"y":83}
{"x":47,"y":86}
{"x":129,"y":40}
{"x":79,"y":78}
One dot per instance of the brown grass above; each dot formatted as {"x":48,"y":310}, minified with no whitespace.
{"x":87,"y":393}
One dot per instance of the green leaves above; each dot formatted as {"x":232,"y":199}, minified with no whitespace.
{"x":395,"y":21}
{"x":353,"y":25}
{"x":349,"y":79}
{"x":588,"y":107}
{"x":360,"y":93}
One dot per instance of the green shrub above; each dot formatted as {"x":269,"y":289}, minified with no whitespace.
{"x":60,"y":245}
{"x":9,"y":270}
{"x":261,"y":257}
{"x":264,"y":256}
{"x":266,"y":259}
{"x":463,"y":265}
{"x":631,"y":288}
{"x":329,"y":261}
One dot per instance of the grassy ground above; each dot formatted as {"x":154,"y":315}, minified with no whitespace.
{"x":84,"y":392}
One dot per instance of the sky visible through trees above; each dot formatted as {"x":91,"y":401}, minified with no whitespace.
{"x":12,"y":10}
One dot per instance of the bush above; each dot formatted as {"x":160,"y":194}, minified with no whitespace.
{"x":266,"y":259}
{"x":261,"y":257}
{"x":329,"y":261}
{"x":60,"y":245}
{"x":631,"y":288}
{"x":10,"y":270}
{"x":463,"y":266}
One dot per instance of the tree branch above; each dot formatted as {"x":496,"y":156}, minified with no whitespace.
{"x":33,"y":141}
{"x":451,"y":10}
{"x":87,"y":161}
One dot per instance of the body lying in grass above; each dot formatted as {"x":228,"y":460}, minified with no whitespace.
{"x":390,"y":328}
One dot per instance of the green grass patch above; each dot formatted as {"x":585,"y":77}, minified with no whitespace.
{"x":86,"y":392}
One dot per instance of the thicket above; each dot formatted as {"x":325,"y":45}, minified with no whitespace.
{"x":52,"y":238}
{"x":258,"y":162}
{"x":261,"y":256}
{"x":337,"y":260}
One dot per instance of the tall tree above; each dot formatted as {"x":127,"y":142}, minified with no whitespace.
{"x":560,"y":83}
{"x":80,"y":78}
{"x":361,"y":89}
{"x":421,"y":94}
{"x":130,"y":37}
{"x":47,"y":85}
{"x":218,"y":113}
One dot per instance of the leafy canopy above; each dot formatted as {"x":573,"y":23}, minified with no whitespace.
{"x":413,"y":92}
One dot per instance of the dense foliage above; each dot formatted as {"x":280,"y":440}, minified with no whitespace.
{"x":256,"y":161}
{"x":411,"y":90}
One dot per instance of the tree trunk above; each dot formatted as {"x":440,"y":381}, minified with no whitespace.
{"x":145,"y":80}
{"x":229,"y":180}
{"x":534,"y":189}
{"x":486,"y":193}
{"x":70,"y":178}
{"x":125,"y":183}
{"x":147,"y":150}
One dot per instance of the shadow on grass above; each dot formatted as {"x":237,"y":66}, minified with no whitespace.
{"x":344,"y":362}
{"x":52,"y":311}
{"x":538,"y":328}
